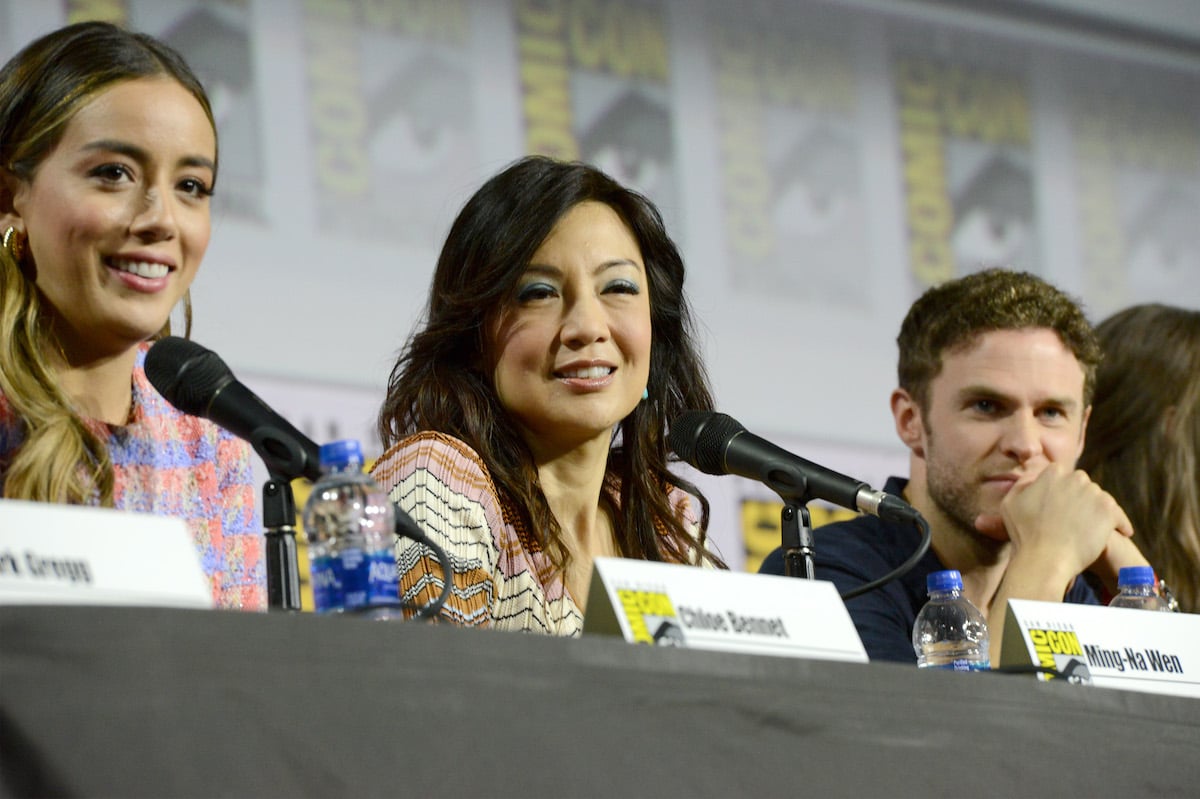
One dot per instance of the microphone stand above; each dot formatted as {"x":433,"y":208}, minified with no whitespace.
{"x":797,"y":540}
{"x":279,"y":527}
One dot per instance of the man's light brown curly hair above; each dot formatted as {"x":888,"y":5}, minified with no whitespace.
{"x":955,"y":314}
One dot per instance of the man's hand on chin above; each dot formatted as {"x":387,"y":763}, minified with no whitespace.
{"x":1062,"y":514}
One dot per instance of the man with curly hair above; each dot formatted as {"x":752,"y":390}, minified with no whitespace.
{"x":996,"y":375}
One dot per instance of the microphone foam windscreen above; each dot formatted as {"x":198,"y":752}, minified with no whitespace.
{"x":700,"y":438}
{"x":681,"y":438}
{"x":187,"y":374}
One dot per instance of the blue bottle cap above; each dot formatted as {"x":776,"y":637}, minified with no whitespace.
{"x":341,"y":453}
{"x":947,"y":580}
{"x":1135,"y":575}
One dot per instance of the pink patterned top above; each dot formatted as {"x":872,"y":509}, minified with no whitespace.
{"x":169,"y":463}
{"x":502,"y":577}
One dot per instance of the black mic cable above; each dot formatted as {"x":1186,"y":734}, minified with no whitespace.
{"x":904,"y":568}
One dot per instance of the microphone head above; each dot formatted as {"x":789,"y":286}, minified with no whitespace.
{"x":187,"y":374}
{"x":701,"y":438}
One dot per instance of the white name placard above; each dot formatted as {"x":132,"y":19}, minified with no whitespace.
{"x":1136,"y":650}
{"x":71,"y":555}
{"x":671,"y":605}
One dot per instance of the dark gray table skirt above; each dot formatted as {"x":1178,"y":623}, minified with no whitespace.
{"x":149,"y":702}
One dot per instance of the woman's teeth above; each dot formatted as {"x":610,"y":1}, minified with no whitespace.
{"x":141,"y":268}
{"x":590,"y":373}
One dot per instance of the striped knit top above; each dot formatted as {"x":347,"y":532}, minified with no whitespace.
{"x":168,"y":463}
{"x":502,"y":578}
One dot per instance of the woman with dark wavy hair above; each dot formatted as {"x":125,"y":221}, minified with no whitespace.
{"x":1143,"y":437}
{"x":527,"y":418}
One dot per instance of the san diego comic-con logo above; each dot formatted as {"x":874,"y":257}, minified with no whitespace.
{"x":651,"y":616}
{"x":1060,"y":650}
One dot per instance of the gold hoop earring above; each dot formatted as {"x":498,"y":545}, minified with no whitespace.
{"x":14,"y":242}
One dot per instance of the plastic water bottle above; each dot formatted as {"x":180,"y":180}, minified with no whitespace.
{"x":950,"y":632}
{"x":1138,"y":590}
{"x":349,"y":524}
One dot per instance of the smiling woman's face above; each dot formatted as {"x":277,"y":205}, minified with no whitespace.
{"x":117,"y":215}
{"x":571,"y":351}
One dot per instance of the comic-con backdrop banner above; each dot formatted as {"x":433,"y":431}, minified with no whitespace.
{"x":819,"y":163}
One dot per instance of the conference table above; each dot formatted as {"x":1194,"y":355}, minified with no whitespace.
{"x":105,"y":701}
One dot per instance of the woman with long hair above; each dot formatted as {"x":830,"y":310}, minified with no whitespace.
{"x":108,"y":159}
{"x":527,"y":418}
{"x":1143,"y":437}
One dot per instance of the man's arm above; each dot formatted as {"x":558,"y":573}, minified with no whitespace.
{"x":1059,"y":524}
{"x":1118,"y":553}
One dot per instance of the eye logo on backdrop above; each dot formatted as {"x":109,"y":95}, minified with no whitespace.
{"x":1135,"y":142}
{"x":216,"y":41}
{"x":594,"y":86}
{"x":390,"y":117}
{"x":789,"y":134}
{"x":965,"y":149}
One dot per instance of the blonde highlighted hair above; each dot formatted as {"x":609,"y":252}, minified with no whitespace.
{"x":41,"y":88}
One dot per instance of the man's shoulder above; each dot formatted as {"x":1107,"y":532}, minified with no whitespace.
{"x":870,"y":532}
{"x":863,"y":539}
{"x":863,"y":543}
{"x":863,"y":528}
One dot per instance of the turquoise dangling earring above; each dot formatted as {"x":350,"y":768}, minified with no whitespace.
{"x":645,"y":393}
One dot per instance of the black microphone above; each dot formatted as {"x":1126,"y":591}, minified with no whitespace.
{"x":196,"y":381}
{"x":716,"y":443}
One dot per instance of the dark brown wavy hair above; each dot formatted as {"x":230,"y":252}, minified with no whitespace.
{"x":442,"y":383}
{"x":1143,"y":438}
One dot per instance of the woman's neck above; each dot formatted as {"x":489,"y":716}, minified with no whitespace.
{"x":99,"y":387}
{"x":572,"y":484}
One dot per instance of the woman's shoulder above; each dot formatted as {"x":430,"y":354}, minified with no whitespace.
{"x":7,"y":416}
{"x":156,"y":418}
{"x":12,"y":433}
{"x":153,"y":410}
{"x":682,"y":503}
{"x":452,"y":460}
{"x":685,"y":506}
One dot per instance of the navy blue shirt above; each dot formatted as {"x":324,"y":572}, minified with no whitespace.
{"x":864,"y":548}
